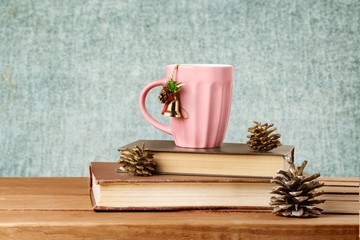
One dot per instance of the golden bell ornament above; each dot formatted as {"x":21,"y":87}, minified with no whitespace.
{"x":173,"y":109}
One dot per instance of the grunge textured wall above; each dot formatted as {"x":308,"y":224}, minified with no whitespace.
{"x":71,"y":73}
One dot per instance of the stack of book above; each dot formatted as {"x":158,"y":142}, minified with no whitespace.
{"x":229,"y":177}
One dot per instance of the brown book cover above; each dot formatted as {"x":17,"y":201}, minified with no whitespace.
{"x":113,"y":191}
{"x":225,"y":148}
{"x":230,"y":159}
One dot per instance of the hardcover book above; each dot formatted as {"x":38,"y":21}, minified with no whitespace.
{"x":230,"y":159}
{"x":112,"y":191}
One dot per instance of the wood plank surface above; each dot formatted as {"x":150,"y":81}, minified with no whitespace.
{"x":173,"y":225}
{"x":59,"y":208}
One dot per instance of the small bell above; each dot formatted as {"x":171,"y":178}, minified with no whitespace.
{"x":173,"y":109}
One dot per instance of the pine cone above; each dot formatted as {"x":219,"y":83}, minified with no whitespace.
{"x":164,"y":95}
{"x":261,"y":138}
{"x":296,"y":193}
{"x":137,"y":161}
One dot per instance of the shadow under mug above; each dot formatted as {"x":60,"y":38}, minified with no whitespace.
{"x":205,"y":99}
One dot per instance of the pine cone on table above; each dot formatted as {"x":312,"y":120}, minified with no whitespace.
{"x":296,"y":193}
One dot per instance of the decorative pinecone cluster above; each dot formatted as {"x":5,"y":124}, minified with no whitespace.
{"x":296,"y":193}
{"x":168,"y":91}
{"x":261,"y":138}
{"x":137,"y":161}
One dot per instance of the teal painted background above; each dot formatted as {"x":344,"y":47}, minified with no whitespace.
{"x":71,"y":73}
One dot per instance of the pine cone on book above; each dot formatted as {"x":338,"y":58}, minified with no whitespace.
{"x":137,"y":161}
{"x":296,"y":193}
{"x":261,"y":138}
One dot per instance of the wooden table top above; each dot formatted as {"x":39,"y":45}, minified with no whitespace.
{"x":60,"y":208}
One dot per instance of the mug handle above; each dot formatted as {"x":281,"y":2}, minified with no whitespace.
{"x":148,"y":117}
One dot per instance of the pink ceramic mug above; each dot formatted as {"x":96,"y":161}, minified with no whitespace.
{"x":205,"y":99}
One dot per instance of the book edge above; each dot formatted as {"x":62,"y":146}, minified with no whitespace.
{"x":173,"y":208}
{"x":178,"y":177}
{"x":171,"y":147}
